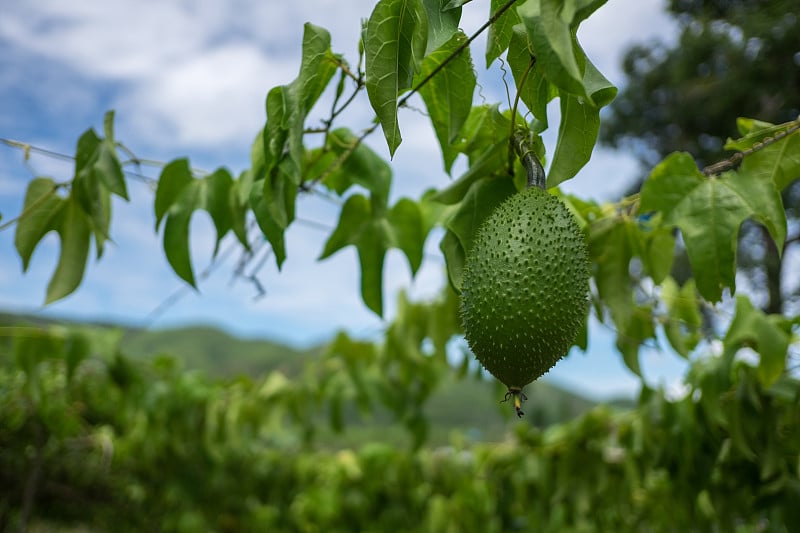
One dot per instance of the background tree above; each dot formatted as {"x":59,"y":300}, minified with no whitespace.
{"x":732,"y":58}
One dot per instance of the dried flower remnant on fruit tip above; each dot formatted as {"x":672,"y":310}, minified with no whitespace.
{"x":519,"y":397}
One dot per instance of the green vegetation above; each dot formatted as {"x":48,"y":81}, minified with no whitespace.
{"x":101,"y":442}
{"x":224,"y":359}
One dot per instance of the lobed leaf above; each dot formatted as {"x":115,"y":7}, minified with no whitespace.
{"x":42,"y":209}
{"x":709,"y":213}
{"x":408,"y":231}
{"x":179,"y":195}
{"x":373,"y":232}
{"x":215,"y":192}
{"x":778,"y":162}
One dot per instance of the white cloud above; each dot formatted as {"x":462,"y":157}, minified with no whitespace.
{"x":216,"y":97}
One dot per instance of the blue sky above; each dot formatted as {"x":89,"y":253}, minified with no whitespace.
{"x":189,"y":79}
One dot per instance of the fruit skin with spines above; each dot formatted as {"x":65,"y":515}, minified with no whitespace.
{"x":525,"y":288}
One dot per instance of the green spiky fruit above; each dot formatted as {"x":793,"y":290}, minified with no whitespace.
{"x":525,"y":288}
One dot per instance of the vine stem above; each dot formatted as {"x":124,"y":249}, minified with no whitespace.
{"x":511,"y":136}
{"x":533,"y":167}
{"x":736,"y":159}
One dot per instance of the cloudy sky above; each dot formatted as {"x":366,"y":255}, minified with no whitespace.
{"x":189,"y":79}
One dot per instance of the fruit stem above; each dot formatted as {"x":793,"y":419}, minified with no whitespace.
{"x":533,"y":167}
{"x":519,"y":397}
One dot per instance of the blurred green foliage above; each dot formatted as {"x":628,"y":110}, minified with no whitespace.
{"x":96,"y":440}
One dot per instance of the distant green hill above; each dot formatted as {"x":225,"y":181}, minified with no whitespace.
{"x":469,"y":406}
{"x":216,"y":353}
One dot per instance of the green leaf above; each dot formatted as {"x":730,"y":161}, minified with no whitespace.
{"x":268,"y":225}
{"x":478,"y":203}
{"x":658,"y":253}
{"x":278,"y":153}
{"x":778,"y":162}
{"x":612,"y":242}
{"x":407,"y":226}
{"x":552,"y":26}
{"x":215,"y":199}
{"x":373,"y":233}
{"x":577,"y":135}
{"x":283,"y":133}
{"x":491,"y":163}
{"x":178,"y":196}
{"x":394,"y":46}
{"x":484,"y":126}
{"x":109,"y":169}
{"x":553,"y":44}
{"x":455,"y":257}
{"x":176,"y":233}
{"x":630,"y":336}
{"x":75,"y":233}
{"x":752,"y":328}
{"x":317,"y":67}
{"x":487,"y":157}
{"x":107,"y":164}
{"x":598,"y":86}
{"x":250,"y":176}
{"x":448,"y":95}
{"x":536,"y":92}
{"x":238,"y":211}
{"x":455,"y":4}
{"x":88,"y":188}
{"x":753,"y":131}
{"x":174,"y":178}
{"x":499,"y":35}
{"x":683,"y":315}
{"x":709,"y":213}
{"x":442,"y":23}
{"x":41,"y":212}
{"x":361,"y":167}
